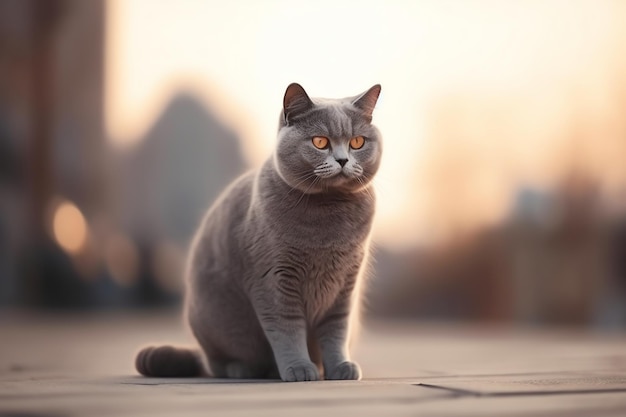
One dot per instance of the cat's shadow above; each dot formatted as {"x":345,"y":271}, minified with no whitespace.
{"x":141,"y":380}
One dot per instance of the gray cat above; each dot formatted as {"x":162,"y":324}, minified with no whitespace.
{"x":275,"y":270}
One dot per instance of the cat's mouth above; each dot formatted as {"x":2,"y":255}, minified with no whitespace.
{"x":340,"y":175}
{"x":342,"y":181}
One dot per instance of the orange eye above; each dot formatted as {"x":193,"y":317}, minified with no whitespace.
{"x":357,"y":142}
{"x":320,"y":142}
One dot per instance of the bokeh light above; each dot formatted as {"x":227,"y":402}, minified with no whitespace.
{"x":69,"y":227}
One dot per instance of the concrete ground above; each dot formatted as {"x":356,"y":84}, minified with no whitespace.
{"x":82,"y":365}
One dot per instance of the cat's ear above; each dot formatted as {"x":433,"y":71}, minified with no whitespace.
{"x":296,"y":101}
{"x":367,"y":101}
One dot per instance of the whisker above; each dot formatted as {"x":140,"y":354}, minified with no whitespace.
{"x":366,"y":188}
{"x":303,"y":179}
{"x":315,"y":180}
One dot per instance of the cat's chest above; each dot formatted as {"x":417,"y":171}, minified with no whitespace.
{"x":317,"y":264}
{"x":325,"y":274}
{"x":334,"y":227}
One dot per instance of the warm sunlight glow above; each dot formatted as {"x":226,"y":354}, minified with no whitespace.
{"x":69,"y":227}
{"x":477,"y":96}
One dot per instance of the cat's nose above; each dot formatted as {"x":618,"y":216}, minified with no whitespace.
{"x":342,"y":161}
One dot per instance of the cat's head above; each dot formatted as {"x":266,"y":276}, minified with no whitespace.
{"x":328,"y":144}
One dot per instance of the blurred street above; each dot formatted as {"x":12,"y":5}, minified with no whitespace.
{"x":58,"y":365}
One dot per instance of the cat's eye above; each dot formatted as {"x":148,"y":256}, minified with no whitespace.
{"x":320,"y":142}
{"x":357,"y":142}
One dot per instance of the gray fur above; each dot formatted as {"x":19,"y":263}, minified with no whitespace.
{"x":274,"y":271}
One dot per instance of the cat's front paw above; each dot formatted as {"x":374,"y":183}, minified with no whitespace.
{"x":301,"y":371}
{"x":345,"y":370}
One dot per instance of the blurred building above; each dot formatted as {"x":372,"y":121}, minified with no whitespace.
{"x":51,"y":77}
{"x":82,"y":224}
{"x":557,"y":258}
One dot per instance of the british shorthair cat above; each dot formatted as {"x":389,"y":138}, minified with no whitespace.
{"x":275,"y":270}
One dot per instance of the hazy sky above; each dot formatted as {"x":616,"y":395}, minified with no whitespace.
{"x":442,"y":64}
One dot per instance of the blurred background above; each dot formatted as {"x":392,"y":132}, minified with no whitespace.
{"x":502,"y":193}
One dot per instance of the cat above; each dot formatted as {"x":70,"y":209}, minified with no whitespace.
{"x":275,"y":270}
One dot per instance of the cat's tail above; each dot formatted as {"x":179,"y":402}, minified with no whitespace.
{"x":169,"y":361}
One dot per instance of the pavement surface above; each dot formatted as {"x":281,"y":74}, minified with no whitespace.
{"x":82,"y":365}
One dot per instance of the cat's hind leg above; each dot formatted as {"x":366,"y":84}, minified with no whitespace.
{"x":169,"y":361}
